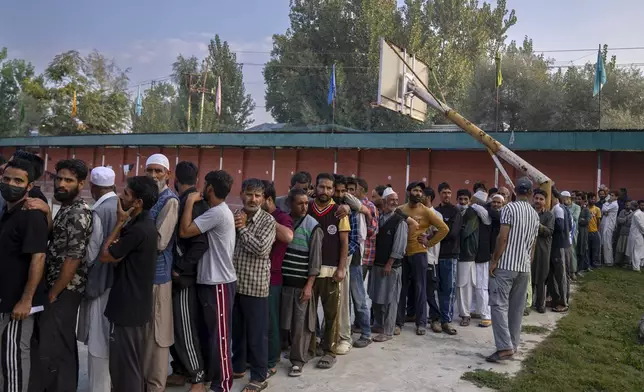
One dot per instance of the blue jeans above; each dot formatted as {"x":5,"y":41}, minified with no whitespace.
{"x":359,"y":298}
{"x":446,"y":288}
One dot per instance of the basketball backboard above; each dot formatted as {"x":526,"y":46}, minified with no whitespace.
{"x":392,"y":81}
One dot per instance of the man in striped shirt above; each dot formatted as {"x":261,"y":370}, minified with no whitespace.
{"x":510,"y":270}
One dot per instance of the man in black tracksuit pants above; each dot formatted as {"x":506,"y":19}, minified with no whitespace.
{"x":188,"y":358}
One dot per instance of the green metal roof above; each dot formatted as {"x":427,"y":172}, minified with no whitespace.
{"x":542,"y":140}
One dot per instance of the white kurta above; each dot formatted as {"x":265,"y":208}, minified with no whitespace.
{"x":635,"y":247}
{"x":607,"y":228}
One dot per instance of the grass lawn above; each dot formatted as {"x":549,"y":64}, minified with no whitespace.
{"x":594,"y":348}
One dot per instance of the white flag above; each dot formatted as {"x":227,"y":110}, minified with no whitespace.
{"x":218,"y":97}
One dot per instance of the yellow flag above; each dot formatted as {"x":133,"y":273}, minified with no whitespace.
{"x":74,"y":105}
{"x":499,"y":76}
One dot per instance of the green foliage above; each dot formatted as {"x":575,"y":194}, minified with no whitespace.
{"x":593,"y":348}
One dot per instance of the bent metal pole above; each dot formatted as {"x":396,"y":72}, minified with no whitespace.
{"x":488,"y":141}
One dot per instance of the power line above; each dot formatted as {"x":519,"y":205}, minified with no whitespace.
{"x":366,"y":53}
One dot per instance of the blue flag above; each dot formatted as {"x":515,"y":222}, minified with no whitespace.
{"x":600,"y":73}
{"x":139,"y":103}
{"x":331,"y":97}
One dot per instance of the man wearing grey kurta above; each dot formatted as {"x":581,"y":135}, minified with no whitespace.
{"x":385,"y":278}
{"x":93,"y":327}
{"x":301,"y":266}
{"x":541,"y":261}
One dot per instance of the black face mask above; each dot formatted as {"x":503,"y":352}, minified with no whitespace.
{"x":12,"y":193}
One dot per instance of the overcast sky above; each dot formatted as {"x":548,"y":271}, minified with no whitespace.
{"x":147,"y":35}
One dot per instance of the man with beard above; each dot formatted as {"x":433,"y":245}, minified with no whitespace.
{"x":188,"y":363}
{"x":385,"y":282}
{"x":160,"y":334}
{"x":335,"y":251}
{"x":359,"y":190}
{"x":56,"y":367}
{"x":624,"y":220}
{"x":132,"y":245}
{"x":301,"y":266}
{"x":283,"y":236}
{"x":255,"y":237}
{"x":448,"y":258}
{"x":635,"y":249}
{"x":487,"y":215}
{"x":216,"y":278}
{"x":558,"y":277}
{"x":541,"y":260}
{"x":607,"y":227}
{"x":414,"y":266}
{"x":432,"y":266}
{"x":575,"y":211}
{"x":23,"y":239}
{"x":38,"y":165}
{"x":507,"y":196}
{"x":93,"y":327}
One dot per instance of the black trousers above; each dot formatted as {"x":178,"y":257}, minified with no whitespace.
{"x":250,"y":336}
{"x":54,"y":366}
{"x":432,"y":293}
{"x":217,"y":304}
{"x":594,"y":248}
{"x":126,"y":358}
{"x":414,"y":273}
{"x":188,"y":322}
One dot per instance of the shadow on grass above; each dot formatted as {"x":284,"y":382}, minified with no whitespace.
{"x":593,"y":348}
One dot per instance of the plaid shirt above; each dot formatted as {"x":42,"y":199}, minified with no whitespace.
{"x":372,"y":229}
{"x":252,"y":255}
{"x":354,"y":234}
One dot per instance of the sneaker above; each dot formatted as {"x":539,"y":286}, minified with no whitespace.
{"x":343,"y":348}
{"x":362,"y":342}
{"x":485,"y":323}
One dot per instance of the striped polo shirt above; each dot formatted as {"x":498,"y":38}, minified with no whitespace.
{"x":524,"y":227}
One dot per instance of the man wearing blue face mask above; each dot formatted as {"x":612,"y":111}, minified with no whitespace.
{"x":23,"y":238}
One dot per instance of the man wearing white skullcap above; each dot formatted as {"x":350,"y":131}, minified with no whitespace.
{"x":93,"y":327}
{"x":160,"y":334}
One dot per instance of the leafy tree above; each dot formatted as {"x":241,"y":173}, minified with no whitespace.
{"x":22,"y":96}
{"x":160,"y":112}
{"x":101,"y":88}
{"x":447,"y":34}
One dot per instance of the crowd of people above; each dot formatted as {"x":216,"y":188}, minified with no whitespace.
{"x":168,"y":270}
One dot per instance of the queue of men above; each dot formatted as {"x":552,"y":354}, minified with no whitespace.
{"x":160,"y":271}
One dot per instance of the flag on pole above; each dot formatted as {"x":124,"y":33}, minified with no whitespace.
{"x":331,"y":97}
{"x":600,"y":73}
{"x":218,"y":97}
{"x":74,"y":105}
{"x":499,"y":75}
{"x":139,"y":103}
{"x":511,"y":141}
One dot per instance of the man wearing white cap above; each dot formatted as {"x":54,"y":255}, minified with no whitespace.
{"x":93,"y":327}
{"x":160,"y":333}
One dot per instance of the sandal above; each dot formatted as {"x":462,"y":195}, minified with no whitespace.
{"x":255,"y":386}
{"x":465,"y":321}
{"x":326,"y":362}
{"x":271,"y":372}
{"x":382,"y":338}
{"x":496,"y":357}
{"x":448,"y":329}
{"x":420,"y":331}
{"x":296,"y":371}
{"x":560,"y":309}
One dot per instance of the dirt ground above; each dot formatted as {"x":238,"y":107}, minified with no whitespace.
{"x":434,"y":362}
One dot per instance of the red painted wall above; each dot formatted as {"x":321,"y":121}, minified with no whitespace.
{"x":569,"y":170}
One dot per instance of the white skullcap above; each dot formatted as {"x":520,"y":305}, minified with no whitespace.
{"x":565,"y":194}
{"x":498,"y":196}
{"x":102,"y":176}
{"x":158,"y":159}
{"x":387,"y":192}
{"x":481,"y":195}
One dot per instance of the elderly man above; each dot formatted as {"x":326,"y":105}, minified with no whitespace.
{"x":93,"y":327}
{"x":160,"y":334}
{"x":635,"y":248}
{"x":385,"y":279}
